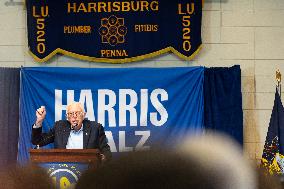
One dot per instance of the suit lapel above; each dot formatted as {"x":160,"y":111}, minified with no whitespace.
{"x":86,"y":133}
{"x":66,"y":133}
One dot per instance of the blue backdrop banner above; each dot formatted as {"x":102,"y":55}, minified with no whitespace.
{"x":113,"y":31}
{"x":138,"y":107}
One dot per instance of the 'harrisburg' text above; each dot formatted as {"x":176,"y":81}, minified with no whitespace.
{"x":116,"y":6}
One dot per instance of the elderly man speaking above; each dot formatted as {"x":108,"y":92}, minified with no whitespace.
{"x":73,"y":133}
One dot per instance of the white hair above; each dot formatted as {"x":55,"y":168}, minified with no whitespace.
{"x":74,"y":103}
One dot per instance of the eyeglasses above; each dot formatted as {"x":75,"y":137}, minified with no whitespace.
{"x":74,"y":114}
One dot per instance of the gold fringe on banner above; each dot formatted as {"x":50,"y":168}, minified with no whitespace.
{"x":124,"y":60}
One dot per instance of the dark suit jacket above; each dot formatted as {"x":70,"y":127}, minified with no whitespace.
{"x":93,"y":136}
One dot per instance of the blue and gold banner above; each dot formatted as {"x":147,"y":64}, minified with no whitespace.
{"x":113,"y":31}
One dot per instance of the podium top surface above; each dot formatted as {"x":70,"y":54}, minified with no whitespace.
{"x":64,"y":151}
{"x":64,"y":155}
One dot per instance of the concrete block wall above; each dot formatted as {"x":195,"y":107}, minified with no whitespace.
{"x":245,"y":32}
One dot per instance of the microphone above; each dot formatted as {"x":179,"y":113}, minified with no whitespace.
{"x":74,"y":127}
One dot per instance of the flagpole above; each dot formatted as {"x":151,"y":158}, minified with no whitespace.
{"x":278,"y":80}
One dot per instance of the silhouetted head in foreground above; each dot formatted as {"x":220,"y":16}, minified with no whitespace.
{"x":147,"y":170}
{"x":202,"y":162}
{"x":28,"y":177}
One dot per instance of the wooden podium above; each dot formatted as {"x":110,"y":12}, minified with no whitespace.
{"x":65,"y":166}
{"x":89,"y":156}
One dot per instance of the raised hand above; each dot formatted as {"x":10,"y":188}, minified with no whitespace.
{"x":40,"y":115}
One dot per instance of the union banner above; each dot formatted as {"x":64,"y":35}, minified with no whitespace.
{"x":113,"y":31}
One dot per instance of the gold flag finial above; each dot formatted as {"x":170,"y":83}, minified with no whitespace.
{"x":278,"y":76}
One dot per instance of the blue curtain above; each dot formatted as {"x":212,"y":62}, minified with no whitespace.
{"x":9,"y":114}
{"x":223,"y":101}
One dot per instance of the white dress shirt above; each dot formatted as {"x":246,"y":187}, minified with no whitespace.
{"x":75,"y":140}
